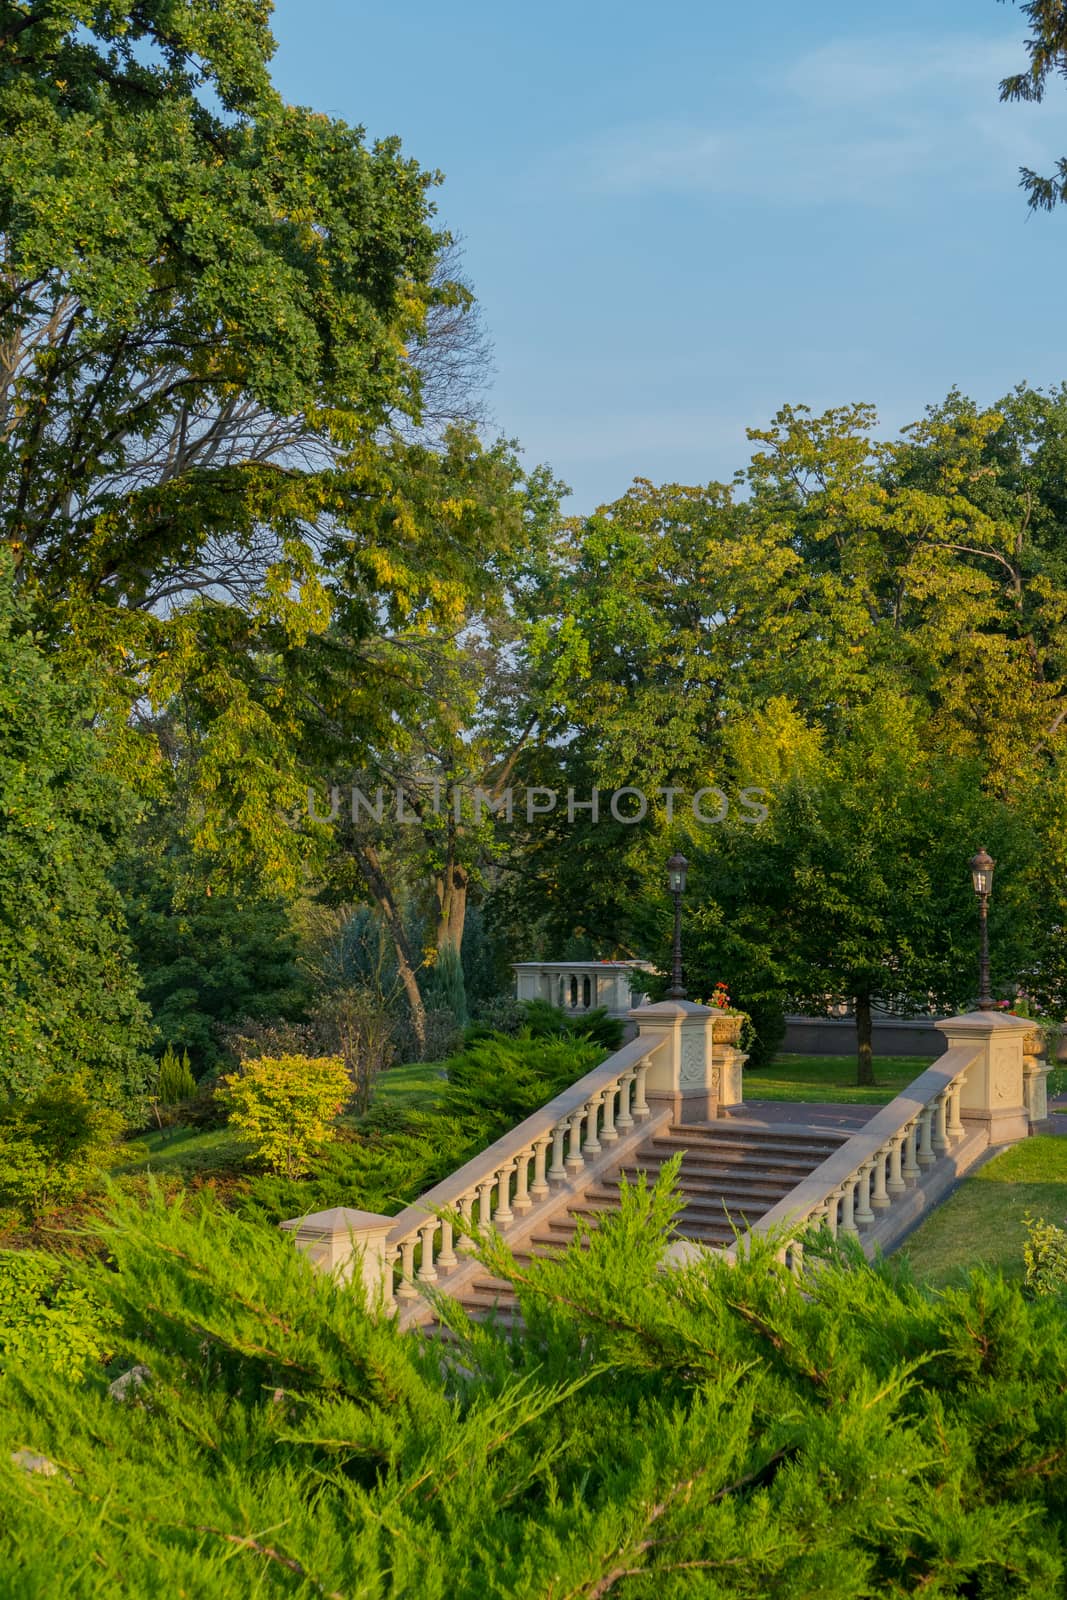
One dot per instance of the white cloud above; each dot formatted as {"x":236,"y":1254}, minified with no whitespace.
{"x":851,"y":72}
{"x":853,"y":120}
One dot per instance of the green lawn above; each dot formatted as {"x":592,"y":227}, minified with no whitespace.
{"x":216,"y":1152}
{"x":831,"y":1078}
{"x":182,"y":1152}
{"x":982,"y":1222}
{"x":417,"y":1085}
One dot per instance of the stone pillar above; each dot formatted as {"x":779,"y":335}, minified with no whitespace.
{"x":349,"y":1244}
{"x":726,"y":1031}
{"x":993,"y":1093}
{"x":1035,"y":1079}
{"x":685,"y":1071}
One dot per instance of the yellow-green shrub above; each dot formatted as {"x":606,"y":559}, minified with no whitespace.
{"x":287,"y":1106}
{"x":46,"y":1315}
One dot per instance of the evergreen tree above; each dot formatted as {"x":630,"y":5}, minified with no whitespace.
{"x":68,"y":989}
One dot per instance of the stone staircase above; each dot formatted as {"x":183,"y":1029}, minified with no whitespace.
{"x":732,"y":1172}
{"x":676,"y":1090}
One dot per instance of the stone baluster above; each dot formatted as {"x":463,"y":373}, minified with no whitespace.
{"x":862,"y":1214}
{"x":925,"y":1153}
{"x":895,"y":1182}
{"x":504,"y":1214}
{"x":939,"y":1133}
{"x":592,"y":1146}
{"x":955,"y":1128}
{"x":880,"y":1193}
{"x":831,"y":1212}
{"x":557,"y":1172}
{"x":485,"y":1201}
{"x":848,"y":1208}
{"x":608,"y":1133}
{"x":465,"y":1207}
{"x":539,"y":1187}
{"x":406,"y":1289}
{"x":389,"y":1261}
{"x":911,"y":1171}
{"x":446,"y":1256}
{"x":624,"y":1121}
{"x":640,"y":1107}
{"x":574,"y":1162}
{"x":427,"y":1271}
{"x":521,"y":1200}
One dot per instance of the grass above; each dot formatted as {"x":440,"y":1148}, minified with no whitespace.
{"x":182,"y":1152}
{"x":216,"y":1152}
{"x":831,"y":1079}
{"x":411,"y":1087}
{"x":981,"y":1223}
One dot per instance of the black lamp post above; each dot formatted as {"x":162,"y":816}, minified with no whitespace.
{"x":677,"y":867}
{"x":982,"y":877}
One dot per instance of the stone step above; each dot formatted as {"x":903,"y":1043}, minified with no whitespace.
{"x":733,"y":1130}
{"x":741,"y":1149}
{"x":701,"y":1181}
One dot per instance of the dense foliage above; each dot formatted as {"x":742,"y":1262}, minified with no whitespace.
{"x":287,"y":1107}
{"x":391,"y":1155}
{"x":69,"y":998}
{"x":55,"y":1144}
{"x":722,"y":1431}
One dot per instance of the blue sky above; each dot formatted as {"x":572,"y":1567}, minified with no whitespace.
{"x":678,"y":218}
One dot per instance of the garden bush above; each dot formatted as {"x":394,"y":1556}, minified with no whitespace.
{"x":390,"y":1156}
{"x":175,"y":1082}
{"x":55,"y":1146}
{"x":49,"y":1316}
{"x":722,"y":1431}
{"x":545,"y":1021}
{"x":1045,"y":1255}
{"x":287,"y":1107}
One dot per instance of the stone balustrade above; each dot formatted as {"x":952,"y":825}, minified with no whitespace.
{"x":579,"y":986}
{"x":876,"y":1167}
{"x":551,"y":1150}
{"x":974,"y":1092}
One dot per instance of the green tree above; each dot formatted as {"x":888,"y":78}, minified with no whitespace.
{"x":212,"y":314}
{"x":209,"y":953}
{"x":856,"y":889}
{"x":69,"y":998}
{"x":287,"y":1107}
{"x":1047,"y":49}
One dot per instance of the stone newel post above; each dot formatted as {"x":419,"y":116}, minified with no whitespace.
{"x":698,"y":1076}
{"x":994,"y":1091}
{"x":348,"y":1243}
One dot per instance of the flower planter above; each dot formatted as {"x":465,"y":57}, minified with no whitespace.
{"x":1034,"y":1042}
{"x":726,"y":1029}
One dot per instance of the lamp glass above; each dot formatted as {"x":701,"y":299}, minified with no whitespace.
{"x":677,"y":867}
{"x":982,"y":872}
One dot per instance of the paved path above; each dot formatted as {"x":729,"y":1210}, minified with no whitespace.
{"x":825,"y":1115}
{"x":813,"y":1114}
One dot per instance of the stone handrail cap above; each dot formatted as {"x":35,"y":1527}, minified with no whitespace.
{"x":673,"y":1008}
{"x":985,"y":1022}
{"x":340,"y":1219}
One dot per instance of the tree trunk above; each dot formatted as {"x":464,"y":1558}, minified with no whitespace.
{"x":864,"y":1053}
{"x":378,"y":885}
{"x":450,"y":892}
{"x":451,"y":898}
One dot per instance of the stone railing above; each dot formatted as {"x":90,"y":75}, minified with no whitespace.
{"x":579,"y":986}
{"x":983,"y":1091}
{"x":878,"y":1165}
{"x":552,"y":1151}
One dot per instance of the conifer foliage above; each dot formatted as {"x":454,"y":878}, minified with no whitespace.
{"x":712,"y":1431}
